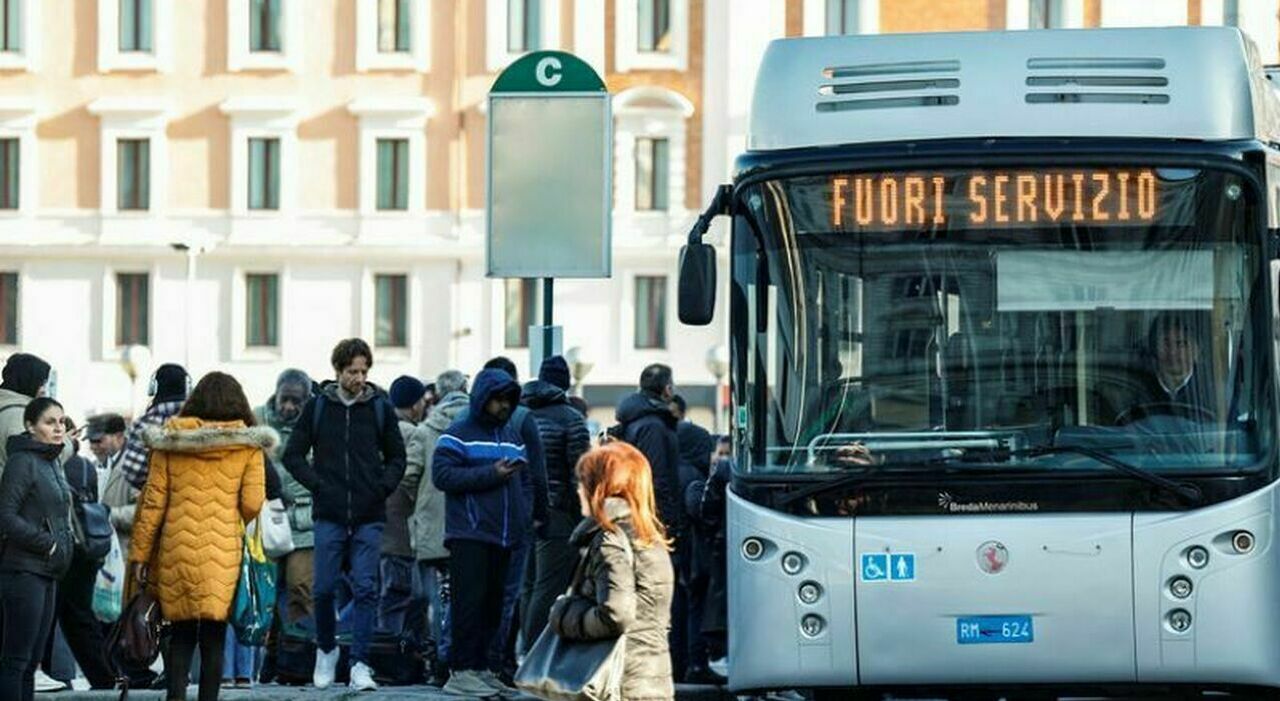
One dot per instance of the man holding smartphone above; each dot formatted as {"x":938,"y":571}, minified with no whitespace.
{"x":479,"y":464}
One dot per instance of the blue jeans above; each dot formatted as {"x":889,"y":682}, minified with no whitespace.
{"x":237,"y":659}
{"x":356,"y":550}
{"x":431,"y":582}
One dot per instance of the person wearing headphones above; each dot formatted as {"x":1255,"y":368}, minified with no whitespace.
{"x":170,"y":385}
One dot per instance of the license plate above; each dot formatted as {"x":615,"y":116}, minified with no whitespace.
{"x":977,"y":630}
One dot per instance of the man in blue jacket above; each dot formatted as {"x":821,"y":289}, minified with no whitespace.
{"x":358,"y":458}
{"x":480,"y":464}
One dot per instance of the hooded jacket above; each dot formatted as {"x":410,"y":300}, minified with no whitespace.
{"x":648,"y":424}
{"x":481,"y":504}
{"x":426,"y":526}
{"x":564,"y":438}
{"x":297,"y":499}
{"x":354,"y":467}
{"x":206,"y":477}
{"x":622,"y":589}
{"x":35,"y":502}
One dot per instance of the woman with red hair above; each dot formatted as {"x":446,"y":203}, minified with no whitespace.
{"x":627,"y":581}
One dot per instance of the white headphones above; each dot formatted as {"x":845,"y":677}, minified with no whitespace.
{"x":154,"y":385}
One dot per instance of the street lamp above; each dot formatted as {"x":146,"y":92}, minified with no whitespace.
{"x":718,"y":366}
{"x":193,"y":249}
{"x":136,"y":361}
{"x":580,"y":362}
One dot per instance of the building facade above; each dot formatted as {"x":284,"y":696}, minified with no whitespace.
{"x":238,"y":184}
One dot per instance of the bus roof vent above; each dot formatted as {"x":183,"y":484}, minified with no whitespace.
{"x":882,"y":85}
{"x":1098,"y":80}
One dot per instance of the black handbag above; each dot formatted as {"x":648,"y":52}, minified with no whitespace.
{"x":135,"y":638}
{"x":574,"y":670}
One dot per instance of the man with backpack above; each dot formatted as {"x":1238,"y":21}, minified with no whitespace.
{"x":357,"y":461}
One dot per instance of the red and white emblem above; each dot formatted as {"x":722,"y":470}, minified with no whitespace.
{"x":993,"y":557}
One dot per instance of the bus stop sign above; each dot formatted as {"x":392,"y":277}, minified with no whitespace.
{"x":549,"y":170}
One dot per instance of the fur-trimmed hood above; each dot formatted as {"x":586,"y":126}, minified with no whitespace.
{"x":185,"y":434}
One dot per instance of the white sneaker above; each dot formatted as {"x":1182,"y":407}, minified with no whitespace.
{"x":326,"y":666}
{"x":80,"y":683}
{"x":362,"y":678}
{"x":488,"y":677}
{"x":45,"y":682}
{"x":468,"y":683}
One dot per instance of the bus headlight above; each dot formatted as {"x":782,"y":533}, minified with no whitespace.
{"x":792,"y":563}
{"x":812,"y":625}
{"x":753,"y":549}
{"x":1197,"y":557}
{"x":1180,"y":587}
{"x":1242,"y":542}
{"x":1179,"y":620}
{"x":810,"y":592}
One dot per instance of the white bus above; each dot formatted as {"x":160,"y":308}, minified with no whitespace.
{"x":1003,"y":311}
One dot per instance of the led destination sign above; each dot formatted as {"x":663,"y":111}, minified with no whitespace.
{"x":994,"y":198}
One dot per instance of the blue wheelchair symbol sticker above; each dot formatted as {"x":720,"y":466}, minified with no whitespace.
{"x":902,"y":567}
{"x":875,"y":567}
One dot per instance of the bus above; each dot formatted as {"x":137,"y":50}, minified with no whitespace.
{"x":1003,"y":323}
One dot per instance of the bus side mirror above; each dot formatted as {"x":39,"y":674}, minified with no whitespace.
{"x":697,"y":293}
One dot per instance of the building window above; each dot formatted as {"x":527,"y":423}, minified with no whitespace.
{"x":393,"y":174}
{"x":653,"y":25}
{"x":394,"y":26}
{"x":9,"y":309}
{"x":842,"y":17}
{"x":9,"y":174}
{"x":651,"y":312}
{"x":133,"y":161}
{"x":135,"y":25}
{"x":521,"y":309}
{"x":524,"y":22}
{"x":264,"y":25}
{"x":264,"y":174}
{"x":132,"y":304}
{"x":11,"y":25}
{"x":391,"y":300}
{"x":1044,"y":14}
{"x":262,"y":309}
{"x":652,"y":174}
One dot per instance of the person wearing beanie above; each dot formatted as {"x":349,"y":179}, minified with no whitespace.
{"x":401,"y":611}
{"x":564,"y":436}
{"x":24,"y":377}
{"x":169,"y":386}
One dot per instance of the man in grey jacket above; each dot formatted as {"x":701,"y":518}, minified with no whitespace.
{"x":426,"y":526}
{"x":281,"y":412}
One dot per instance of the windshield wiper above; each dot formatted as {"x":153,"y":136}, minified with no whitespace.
{"x":1186,"y":493}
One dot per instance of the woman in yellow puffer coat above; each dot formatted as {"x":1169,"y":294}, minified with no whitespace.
{"x":206,"y":481}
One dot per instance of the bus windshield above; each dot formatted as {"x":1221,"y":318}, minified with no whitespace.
{"x":924,"y":319}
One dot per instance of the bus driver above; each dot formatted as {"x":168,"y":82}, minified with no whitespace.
{"x":1176,"y":385}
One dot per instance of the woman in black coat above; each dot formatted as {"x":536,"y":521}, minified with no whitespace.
{"x":35,"y":503}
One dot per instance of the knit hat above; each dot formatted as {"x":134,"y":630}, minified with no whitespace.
{"x":25,"y":374}
{"x":555,"y":371}
{"x":171,"y":383}
{"x":406,"y":391}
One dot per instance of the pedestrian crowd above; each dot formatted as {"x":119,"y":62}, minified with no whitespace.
{"x":433,"y":532}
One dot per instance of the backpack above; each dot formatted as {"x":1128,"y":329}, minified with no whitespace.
{"x":90,"y":523}
{"x":379,"y":410}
